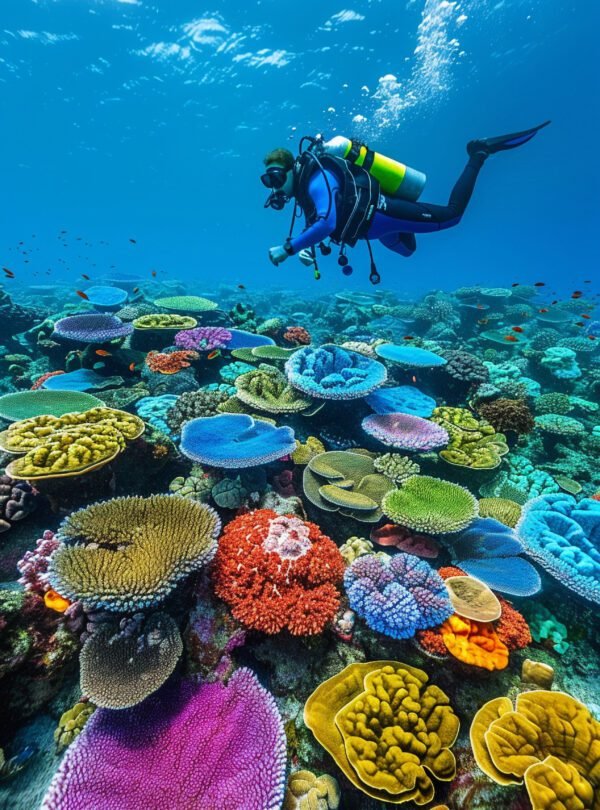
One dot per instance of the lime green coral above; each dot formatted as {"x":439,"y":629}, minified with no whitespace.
{"x":388,"y":730}
{"x":398,"y":468}
{"x":129,"y":553}
{"x":28,"y":404}
{"x":71,"y":723}
{"x":473,"y":443}
{"x":501,"y":509}
{"x":431,"y":505}
{"x":306,"y":791}
{"x":165,"y":320}
{"x":305,"y":452}
{"x":186,"y":303}
{"x":267,"y":389}
{"x":355,"y":547}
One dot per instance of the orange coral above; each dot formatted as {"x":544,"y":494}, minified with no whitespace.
{"x":474,"y":643}
{"x":297,"y":336}
{"x":41,"y":380}
{"x":169,"y":363}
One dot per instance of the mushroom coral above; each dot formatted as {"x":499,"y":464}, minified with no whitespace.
{"x":388,"y":730}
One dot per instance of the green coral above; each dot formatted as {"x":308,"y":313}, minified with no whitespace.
{"x":553,"y":402}
{"x":473,"y":443}
{"x":230,"y":493}
{"x":396,"y":467}
{"x":545,"y":627}
{"x":305,"y":452}
{"x":559,"y":425}
{"x":197,"y":485}
{"x":267,"y":389}
{"x":164,"y":320}
{"x":29,"y":404}
{"x":431,"y":505}
{"x":71,"y":724}
{"x":186,"y":303}
{"x":355,"y":547}
{"x":502,"y":509}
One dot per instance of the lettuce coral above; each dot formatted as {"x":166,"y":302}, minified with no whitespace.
{"x":430,"y":505}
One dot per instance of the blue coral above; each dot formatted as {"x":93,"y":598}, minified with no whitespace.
{"x":233,"y":441}
{"x":409,"y":356}
{"x":563,"y":536}
{"x":397,"y":595}
{"x":154,"y":411}
{"x":241,"y":339}
{"x":401,"y":399}
{"x":82,"y":379}
{"x":488,"y":550}
{"x":106,"y":299}
{"x":330,"y":372}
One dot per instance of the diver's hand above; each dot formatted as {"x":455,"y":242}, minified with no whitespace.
{"x":306,"y":257}
{"x":277,"y":255}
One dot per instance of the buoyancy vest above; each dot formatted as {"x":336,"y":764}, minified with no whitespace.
{"x":356,"y":201}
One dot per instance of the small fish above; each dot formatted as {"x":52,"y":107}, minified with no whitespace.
{"x":591,"y":337}
{"x":8,"y":273}
{"x":414,"y":379}
{"x":213,"y":354}
{"x":586,"y":316}
{"x":81,"y":294}
{"x":542,"y":311}
{"x":517,"y":329}
{"x":587,"y":281}
{"x":133,"y":241}
{"x":131,"y":367}
{"x":516,"y":284}
{"x":103,"y":353}
{"x":577,"y":294}
{"x":580,"y":323}
{"x":554,"y":302}
{"x":408,"y":337}
{"x":136,"y":289}
{"x":153,"y":274}
{"x":241,"y":287}
{"x":511,"y":338}
{"x":83,"y":275}
{"x":483,"y":321}
{"x":540,"y":284}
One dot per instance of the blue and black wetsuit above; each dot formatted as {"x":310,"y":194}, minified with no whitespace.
{"x":396,"y":221}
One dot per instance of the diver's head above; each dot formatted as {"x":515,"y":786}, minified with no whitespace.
{"x":279,"y":177}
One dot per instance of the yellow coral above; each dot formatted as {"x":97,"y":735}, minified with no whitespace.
{"x":387,"y":730}
{"x":473,"y":443}
{"x":501,"y":509}
{"x":355,"y":547}
{"x":71,"y":723}
{"x":472,"y":599}
{"x":550,"y":741}
{"x":306,"y":791}
{"x":129,"y":553}
{"x":305,"y":452}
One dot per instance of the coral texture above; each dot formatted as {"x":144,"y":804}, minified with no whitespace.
{"x":405,"y":432}
{"x":331,"y":372}
{"x":203,"y":338}
{"x":430,"y":505}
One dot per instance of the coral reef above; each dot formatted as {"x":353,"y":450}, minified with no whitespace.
{"x":331,"y":372}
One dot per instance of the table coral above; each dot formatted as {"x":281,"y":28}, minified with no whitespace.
{"x":405,"y":431}
{"x":430,"y":505}
{"x":396,"y":595}
{"x":502,"y":509}
{"x":235,"y":441}
{"x":278,"y":572}
{"x":186,"y":303}
{"x":28,"y":404}
{"x":409,"y":356}
{"x":331,"y":372}
{"x":549,"y":741}
{"x":563,"y":536}
{"x":227,"y":741}
{"x":389,"y":731}
{"x":401,"y":399}
{"x":93,"y":328}
{"x":121,"y":666}
{"x":267,"y":389}
{"x":129,"y":553}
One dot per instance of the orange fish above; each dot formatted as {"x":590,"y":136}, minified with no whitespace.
{"x":153,"y":274}
{"x":103,"y":353}
{"x":55,"y":601}
{"x":586,"y":316}
{"x":81,"y":294}
{"x":9,"y":273}
{"x":516,"y":329}
{"x":83,"y":275}
{"x":132,"y":367}
{"x":408,"y":337}
{"x":542,"y":310}
{"x":511,"y":338}
{"x":212,"y":355}
{"x":540,"y":284}
{"x":480,"y":306}
{"x":591,"y":337}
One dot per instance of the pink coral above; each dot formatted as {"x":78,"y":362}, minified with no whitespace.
{"x":405,"y":431}
{"x":34,"y":565}
{"x":421,"y":545}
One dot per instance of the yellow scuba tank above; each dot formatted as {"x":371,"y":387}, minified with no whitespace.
{"x":395,"y":179}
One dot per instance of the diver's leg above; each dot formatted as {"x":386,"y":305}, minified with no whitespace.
{"x":403,"y":243}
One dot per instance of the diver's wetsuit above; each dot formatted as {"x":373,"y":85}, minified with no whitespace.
{"x":396,"y":221}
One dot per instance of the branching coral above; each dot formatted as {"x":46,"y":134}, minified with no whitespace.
{"x":186,"y":303}
{"x":297,"y":336}
{"x":388,"y":730}
{"x":191,"y":405}
{"x":278,"y":572}
{"x":170,"y":363}
{"x":508,"y":414}
{"x":129,"y":553}
{"x":396,"y":467}
{"x":203,"y":338}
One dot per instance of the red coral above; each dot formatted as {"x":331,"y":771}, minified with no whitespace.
{"x":171,"y":362}
{"x":512,"y":628}
{"x":432,"y":643}
{"x":41,"y":380}
{"x":297,"y":336}
{"x":278,"y":572}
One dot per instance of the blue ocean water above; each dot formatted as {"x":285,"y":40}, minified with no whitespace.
{"x":133,"y":118}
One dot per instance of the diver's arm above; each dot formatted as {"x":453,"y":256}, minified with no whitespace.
{"x":323,"y":193}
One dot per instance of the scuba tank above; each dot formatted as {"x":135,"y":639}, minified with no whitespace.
{"x":395,"y":179}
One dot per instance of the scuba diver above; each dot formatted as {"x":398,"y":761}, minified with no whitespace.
{"x":347,"y":192}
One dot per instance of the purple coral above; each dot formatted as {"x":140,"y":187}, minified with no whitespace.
{"x":397,"y":595}
{"x":203,"y":338}
{"x":405,"y":431}
{"x":92,"y":327}
{"x":17,"y":500}
{"x":188,"y":745}
{"x":34,"y":565}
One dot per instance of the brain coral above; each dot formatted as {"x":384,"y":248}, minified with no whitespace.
{"x":331,"y":372}
{"x":306,"y":791}
{"x":405,"y":431}
{"x":121,"y":668}
{"x":189,"y":746}
{"x":235,"y":441}
{"x":430,"y":505}
{"x":278,"y":572}
{"x":563,"y":536}
{"x":267,"y":389}
{"x":396,"y":595}
{"x":387,"y":729}
{"x":129,"y":553}
{"x":549,"y":741}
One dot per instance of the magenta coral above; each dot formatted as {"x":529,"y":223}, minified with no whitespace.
{"x":405,"y":431}
{"x":188,"y":745}
{"x":34,"y":565}
{"x":203,"y":338}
